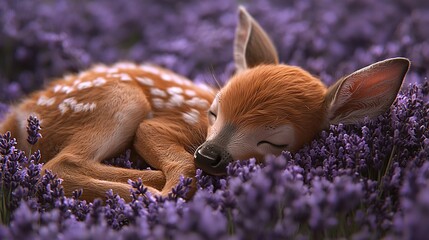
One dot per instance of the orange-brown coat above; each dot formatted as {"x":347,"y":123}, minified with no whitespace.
{"x":97,"y":114}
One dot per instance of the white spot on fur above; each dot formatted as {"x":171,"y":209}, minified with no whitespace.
{"x":166,"y":77}
{"x":177,"y":79}
{"x":84,"y":85}
{"x":63,"y":107}
{"x":190,"y":93}
{"x":91,"y":106}
{"x":76,"y":82}
{"x":45,"y":101}
{"x":145,"y":81}
{"x":112,"y":70}
{"x":187,"y":82}
{"x":69,"y":77}
{"x":191,"y":117}
{"x":125,"y":65}
{"x":158,"y":103}
{"x":180,"y":80}
{"x":149,"y":69}
{"x":175,"y":101}
{"x":78,"y":107}
{"x":70,"y":101}
{"x":174,"y":90}
{"x":204,"y":87}
{"x":115,"y":75}
{"x":66,"y":89}
{"x":99,"y":81}
{"x":82,"y":75}
{"x":125,"y":77}
{"x":57,"y":88}
{"x":87,"y":107}
{"x":100,"y":69}
{"x":198,"y":102}
{"x":72,"y":104}
{"x":157,"y":92}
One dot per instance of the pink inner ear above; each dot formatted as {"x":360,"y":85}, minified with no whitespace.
{"x":364,"y":93}
{"x":369,"y":91}
{"x":377,"y":83}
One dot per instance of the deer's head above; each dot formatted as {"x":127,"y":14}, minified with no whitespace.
{"x":267,"y":107}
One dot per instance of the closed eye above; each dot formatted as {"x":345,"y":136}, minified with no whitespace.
{"x":280,"y":146}
{"x":211,"y":113}
{"x":212,"y":117}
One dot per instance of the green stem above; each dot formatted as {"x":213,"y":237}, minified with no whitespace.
{"x":389,"y":164}
{"x":2,"y":208}
{"x":29,"y":153}
{"x":231,"y":229}
{"x":5,"y":217}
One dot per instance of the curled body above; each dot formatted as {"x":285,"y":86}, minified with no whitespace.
{"x":175,"y":126}
{"x":97,"y":114}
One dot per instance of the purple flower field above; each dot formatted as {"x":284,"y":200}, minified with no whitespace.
{"x":366,"y":181}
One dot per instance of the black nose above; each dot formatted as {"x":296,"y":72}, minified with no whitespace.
{"x":212,"y":159}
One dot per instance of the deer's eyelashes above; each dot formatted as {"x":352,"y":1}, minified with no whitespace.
{"x":213,"y":110}
{"x":279,"y":146}
{"x":212,"y":117}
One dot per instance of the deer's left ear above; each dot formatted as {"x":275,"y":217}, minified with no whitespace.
{"x":367,"y":92}
{"x":252,"y":46}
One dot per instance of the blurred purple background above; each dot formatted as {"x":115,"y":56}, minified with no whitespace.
{"x":41,"y":39}
{"x":366,"y":181}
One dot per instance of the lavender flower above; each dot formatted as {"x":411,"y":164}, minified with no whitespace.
{"x":365,"y":181}
{"x":117,"y":212}
{"x":33,"y":129}
{"x":124,"y":160}
{"x":12,"y":175}
{"x":25,"y":227}
{"x":351,"y":182}
{"x":182,"y":189}
{"x":7,"y":144}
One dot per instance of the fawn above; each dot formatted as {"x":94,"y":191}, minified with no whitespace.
{"x":269,"y":107}
{"x":166,"y":119}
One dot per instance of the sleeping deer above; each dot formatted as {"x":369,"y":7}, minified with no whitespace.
{"x":176,"y":125}
{"x":269,"y":107}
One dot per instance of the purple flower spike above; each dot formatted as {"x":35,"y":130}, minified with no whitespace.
{"x":123,"y":160}
{"x":182,"y":189}
{"x":7,"y":144}
{"x":33,"y":129}
{"x":362,"y":181}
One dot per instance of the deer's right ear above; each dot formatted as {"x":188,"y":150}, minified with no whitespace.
{"x":252,"y":46}
{"x":367,"y":92}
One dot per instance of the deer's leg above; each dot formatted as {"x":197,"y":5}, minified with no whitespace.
{"x":79,"y":164}
{"x":95,"y":178}
{"x":161,"y":145}
{"x":108,"y":132}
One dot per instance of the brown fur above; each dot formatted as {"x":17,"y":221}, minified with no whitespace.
{"x":261,"y":103}
{"x":75,"y":143}
{"x":272,"y":95}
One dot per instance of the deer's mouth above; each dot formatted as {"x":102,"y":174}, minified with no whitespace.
{"x":212,"y":159}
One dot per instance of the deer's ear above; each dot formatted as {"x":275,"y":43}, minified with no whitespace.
{"x":252,"y":46}
{"x":367,"y":92}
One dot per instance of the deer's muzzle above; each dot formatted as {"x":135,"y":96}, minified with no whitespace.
{"x":212,"y":158}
